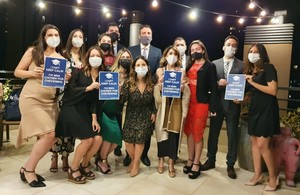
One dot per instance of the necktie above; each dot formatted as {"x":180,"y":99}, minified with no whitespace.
{"x":226,"y":68}
{"x":144,"y":52}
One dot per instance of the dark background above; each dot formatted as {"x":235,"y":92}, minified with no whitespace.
{"x":21,"y":21}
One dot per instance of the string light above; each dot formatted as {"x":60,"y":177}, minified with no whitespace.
{"x":77,"y":11}
{"x":154,"y":3}
{"x":258,"y":20}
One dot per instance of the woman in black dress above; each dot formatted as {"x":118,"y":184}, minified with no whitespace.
{"x":140,"y":111}
{"x":263,"y":120}
{"x":77,"y":117}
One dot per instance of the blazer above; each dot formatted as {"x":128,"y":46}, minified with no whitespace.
{"x":154,"y":56}
{"x":237,"y":68}
{"x":207,"y":87}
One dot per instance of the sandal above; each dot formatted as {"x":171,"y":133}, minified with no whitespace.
{"x":34,"y":183}
{"x":53,"y":169}
{"x":172,"y":172}
{"x":78,"y":180}
{"x":98,"y":167}
{"x":65,"y":165}
{"x":195,"y":174}
{"x":161,"y":169}
{"x":88,"y":174}
{"x":186,"y":168}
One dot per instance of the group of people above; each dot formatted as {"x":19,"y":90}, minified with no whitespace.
{"x":101,"y":125}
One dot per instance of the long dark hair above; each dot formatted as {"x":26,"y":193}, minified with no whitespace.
{"x":69,"y":45}
{"x":86,"y":65}
{"x":251,"y":68}
{"x":133,"y":76}
{"x":41,"y":45}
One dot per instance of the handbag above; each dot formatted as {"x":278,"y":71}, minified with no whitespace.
{"x":11,"y":109}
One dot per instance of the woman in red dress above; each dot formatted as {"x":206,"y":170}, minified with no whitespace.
{"x":203,"y":86}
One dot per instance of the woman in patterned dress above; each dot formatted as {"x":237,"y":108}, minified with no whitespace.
{"x":140,"y":111}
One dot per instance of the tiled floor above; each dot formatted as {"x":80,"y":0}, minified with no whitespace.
{"x":147,"y":182}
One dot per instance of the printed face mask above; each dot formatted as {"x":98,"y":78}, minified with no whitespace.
{"x":253,"y":57}
{"x":53,"y":41}
{"x":171,"y":59}
{"x":77,"y":42}
{"x":95,"y":62}
{"x":141,"y":71}
{"x":229,"y":51}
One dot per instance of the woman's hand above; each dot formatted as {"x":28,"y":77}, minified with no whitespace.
{"x":96,"y":126}
{"x":249,"y":79}
{"x":68,"y":75}
{"x":38,"y":72}
{"x":94,"y":85}
{"x":222,"y":82}
{"x":152,"y":118}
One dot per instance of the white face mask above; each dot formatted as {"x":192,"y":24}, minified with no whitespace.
{"x":253,"y":57}
{"x":229,"y":51}
{"x":181,"y":50}
{"x":171,"y":59}
{"x":141,"y":71}
{"x":53,"y":41}
{"x":95,"y":62}
{"x":77,"y":42}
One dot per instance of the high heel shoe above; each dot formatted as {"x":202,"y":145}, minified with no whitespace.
{"x":98,"y":167}
{"x":195,"y":174}
{"x":22,"y":176}
{"x":160,"y":169}
{"x":88,"y":174}
{"x":78,"y":180}
{"x":35,"y":183}
{"x":269,"y":188}
{"x":65,"y":165}
{"x":53,"y":160}
{"x":186,"y":168}
{"x":172,"y":172}
{"x":254,"y":183}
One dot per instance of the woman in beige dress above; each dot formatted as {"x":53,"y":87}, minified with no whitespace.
{"x":38,"y":105}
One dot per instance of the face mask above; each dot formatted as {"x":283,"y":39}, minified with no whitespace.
{"x":114,"y":36}
{"x":95,"y":62}
{"x":77,"y":42}
{"x":197,"y":55}
{"x":145,"y":40}
{"x":53,"y":41}
{"x":229,"y":51}
{"x":105,"y":46}
{"x":253,"y":57}
{"x":141,"y":71}
{"x":125,"y":63}
{"x":181,"y":50}
{"x":171,"y":59}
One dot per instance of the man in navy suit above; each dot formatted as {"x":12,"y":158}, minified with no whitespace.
{"x":114,"y":31}
{"x":180,"y":44}
{"x":228,"y":109}
{"x":153,"y":54}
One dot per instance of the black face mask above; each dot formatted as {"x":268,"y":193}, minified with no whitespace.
{"x":125,"y":63}
{"x":105,"y":46}
{"x":114,"y":36}
{"x":197,"y":55}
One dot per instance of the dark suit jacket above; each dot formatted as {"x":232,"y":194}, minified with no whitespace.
{"x":207,"y":88}
{"x":154,"y":56}
{"x":119,"y":46}
{"x":237,"y":68}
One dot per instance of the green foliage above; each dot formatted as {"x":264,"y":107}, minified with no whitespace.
{"x":292,"y":120}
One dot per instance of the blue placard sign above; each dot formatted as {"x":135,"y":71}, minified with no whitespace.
{"x":235,"y":87}
{"x":54,"y":72}
{"x":109,"y":85}
{"x":172,"y":84}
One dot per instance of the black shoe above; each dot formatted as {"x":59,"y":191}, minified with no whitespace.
{"x":230,"y":172}
{"x":35,"y":183}
{"x":146,"y":161}
{"x":208,"y":165}
{"x":127,"y":160}
{"x":118,"y":151}
{"x":195,"y":174}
